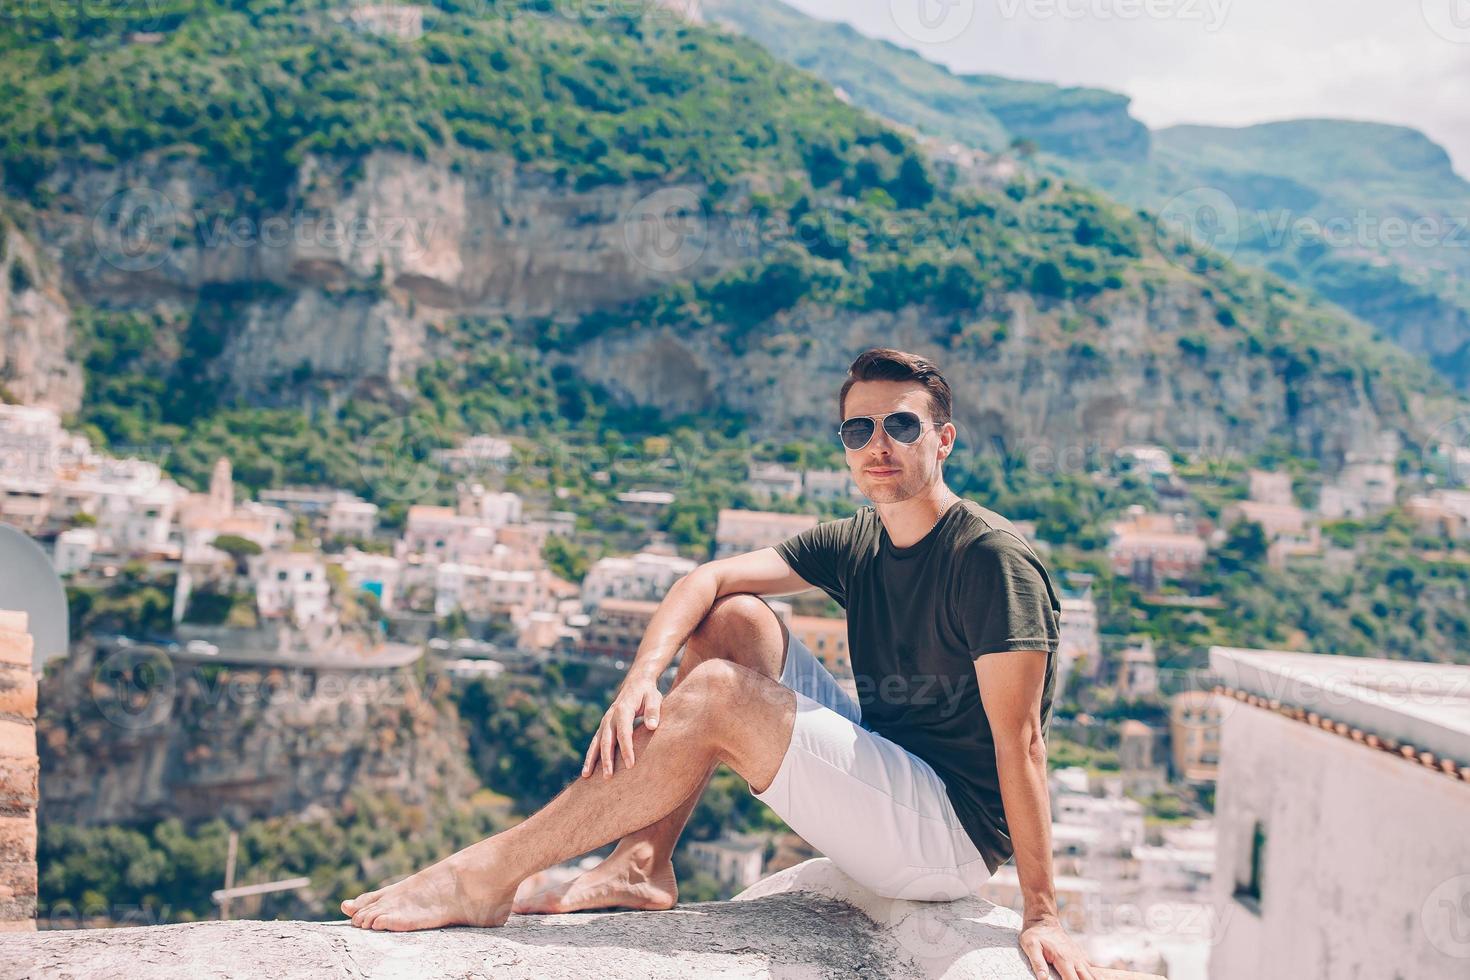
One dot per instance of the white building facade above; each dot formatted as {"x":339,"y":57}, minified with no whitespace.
{"x":1342,"y":809}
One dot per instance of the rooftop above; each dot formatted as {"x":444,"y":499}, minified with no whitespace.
{"x":1423,"y":707}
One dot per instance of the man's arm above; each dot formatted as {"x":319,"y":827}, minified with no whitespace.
{"x":1011,"y":684}
{"x":684,"y":606}
{"x":689,"y":600}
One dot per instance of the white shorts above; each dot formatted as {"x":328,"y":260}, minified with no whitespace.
{"x":879,"y":812}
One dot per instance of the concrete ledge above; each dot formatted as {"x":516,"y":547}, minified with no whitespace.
{"x":791,"y":926}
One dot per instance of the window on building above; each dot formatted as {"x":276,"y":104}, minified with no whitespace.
{"x":1248,"y":883}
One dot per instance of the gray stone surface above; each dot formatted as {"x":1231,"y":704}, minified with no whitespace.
{"x":805,"y":923}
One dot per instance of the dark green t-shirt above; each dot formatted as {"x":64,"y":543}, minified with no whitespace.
{"x":917,"y":619}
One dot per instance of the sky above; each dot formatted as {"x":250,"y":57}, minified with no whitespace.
{"x":1223,"y":62}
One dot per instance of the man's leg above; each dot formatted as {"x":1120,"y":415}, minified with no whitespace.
{"x":721,"y":713}
{"x":639,"y":873}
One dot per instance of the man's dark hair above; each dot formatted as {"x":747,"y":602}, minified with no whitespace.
{"x":887,"y":364}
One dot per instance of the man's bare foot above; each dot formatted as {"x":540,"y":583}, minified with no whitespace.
{"x":465,"y":889}
{"x":628,"y":879}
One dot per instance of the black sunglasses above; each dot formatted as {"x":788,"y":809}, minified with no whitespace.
{"x":904,"y":427}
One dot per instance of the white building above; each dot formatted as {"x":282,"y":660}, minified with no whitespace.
{"x":1148,"y":459}
{"x":1151,"y":547}
{"x":645,"y":503}
{"x":1080,"y":649}
{"x":1183,"y":865}
{"x":74,"y":550}
{"x":404,"y":21}
{"x":486,"y":591}
{"x":562,"y":523}
{"x":645,"y":575}
{"x":739,"y":531}
{"x":441,"y":534}
{"x":378,"y":574}
{"x":478,"y":454}
{"x":308,"y":502}
{"x":1443,"y":512}
{"x":829,"y":485}
{"x":494,"y":508}
{"x":1271,"y":487}
{"x":1342,"y":806}
{"x":352,"y":518}
{"x":1138,"y":671}
{"x":1361,"y":489}
{"x":293,"y":585}
{"x":142,"y":524}
{"x":34,"y":449}
{"x":772,"y":481}
{"x":733,"y":861}
{"x":134,"y":504}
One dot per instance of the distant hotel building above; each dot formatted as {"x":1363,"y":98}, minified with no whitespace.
{"x":1150,"y":548}
{"x":739,"y":531}
{"x":617,"y":627}
{"x":1194,"y":736}
{"x":733,"y":861}
{"x":1080,"y":651}
{"x":646,"y":575}
{"x":772,"y":481}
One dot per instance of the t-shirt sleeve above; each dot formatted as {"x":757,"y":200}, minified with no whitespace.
{"x":1006,"y":599}
{"x":820,"y":556}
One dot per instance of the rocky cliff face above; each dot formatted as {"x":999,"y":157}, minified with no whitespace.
{"x":1034,"y":392}
{"x":35,"y":368}
{"x":354,"y":272}
{"x":130,"y":737}
{"x":362,"y":274}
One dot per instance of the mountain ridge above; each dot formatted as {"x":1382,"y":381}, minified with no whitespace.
{"x":1034,"y":287}
{"x":1398,"y":266}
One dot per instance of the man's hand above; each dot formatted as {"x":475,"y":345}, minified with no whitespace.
{"x":636,"y":696}
{"x":1044,"y":941}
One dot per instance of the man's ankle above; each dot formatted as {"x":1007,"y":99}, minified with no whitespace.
{"x":639,"y":853}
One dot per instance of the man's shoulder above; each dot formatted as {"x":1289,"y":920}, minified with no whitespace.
{"x":990,"y":541}
{"x":986,"y":529}
{"x":845,"y":530}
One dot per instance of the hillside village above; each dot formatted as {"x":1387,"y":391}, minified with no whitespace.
{"x":304,"y":576}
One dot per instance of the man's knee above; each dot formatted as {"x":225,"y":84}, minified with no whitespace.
{"x":711,"y":683}
{"x":719,"y":691}
{"x":744,"y":717}
{"x":735,"y":622}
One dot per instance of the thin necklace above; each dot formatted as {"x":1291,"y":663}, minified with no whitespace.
{"x":942,"y":512}
{"x":936,"y":521}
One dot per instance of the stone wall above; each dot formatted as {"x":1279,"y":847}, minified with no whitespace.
{"x":18,"y":776}
{"x":810,"y":921}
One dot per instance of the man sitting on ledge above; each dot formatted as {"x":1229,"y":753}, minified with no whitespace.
{"x":921,"y":790}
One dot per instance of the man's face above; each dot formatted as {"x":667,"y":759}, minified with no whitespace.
{"x":887,"y":471}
